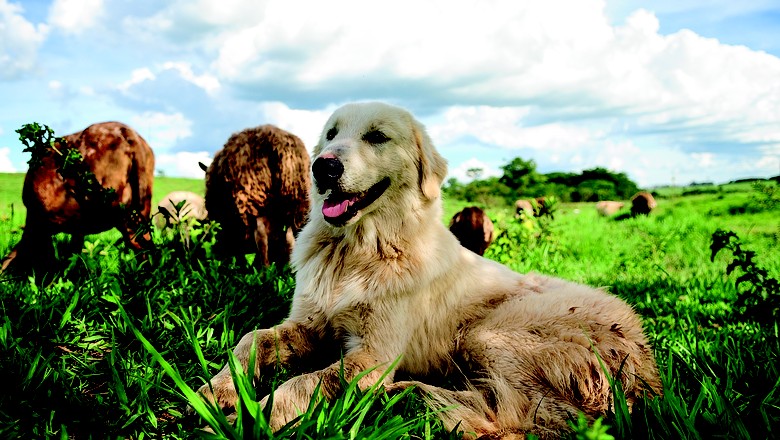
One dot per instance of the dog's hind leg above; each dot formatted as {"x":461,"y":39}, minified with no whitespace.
{"x":467,"y":410}
{"x":480,"y":411}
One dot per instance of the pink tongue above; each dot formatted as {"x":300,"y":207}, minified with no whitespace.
{"x":331,"y":209}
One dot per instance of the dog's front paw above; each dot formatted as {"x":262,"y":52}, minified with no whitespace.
{"x":285,"y":408}
{"x":222,"y":392}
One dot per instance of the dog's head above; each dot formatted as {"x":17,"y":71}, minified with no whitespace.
{"x":369,"y":153}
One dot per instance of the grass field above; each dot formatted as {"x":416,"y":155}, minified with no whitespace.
{"x":110,"y":346}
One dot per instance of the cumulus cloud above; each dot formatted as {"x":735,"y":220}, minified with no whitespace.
{"x":305,"y":124}
{"x":162,"y":130}
{"x":205,"y":81}
{"x":183,"y":164}
{"x":6,"y":166}
{"x":508,"y":128}
{"x":461,"y":172}
{"x":519,"y":54}
{"x":137,"y":76}
{"x":179,"y":71}
{"x":75,"y":16}
{"x":19,"y":41}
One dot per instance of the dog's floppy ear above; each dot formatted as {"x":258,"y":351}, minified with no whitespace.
{"x":432,"y":167}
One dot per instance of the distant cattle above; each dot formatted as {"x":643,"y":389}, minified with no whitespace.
{"x":473,"y":229}
{"x":257,"y":188}
{"x":545,"y":206}
{"x":120,"y":160}
{"x":179,"y":210}
{"x":538,"y":207}
{"x":523,"y":206}
{"x":190,"y":206}
{"x":642,"y":203}
{"x":608,"y":208}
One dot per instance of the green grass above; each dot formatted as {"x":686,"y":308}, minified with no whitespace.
{"x":110,"y":347}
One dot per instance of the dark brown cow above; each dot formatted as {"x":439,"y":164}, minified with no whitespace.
{"x":473,"y":229}
{"x":523,"y":206}
{"x":537,"y":207}
{"x":257,"y":188}
{"x":120,"y":159}
{"x":642,"y":203}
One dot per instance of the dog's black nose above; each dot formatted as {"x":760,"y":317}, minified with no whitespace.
{"x":327,"y":171}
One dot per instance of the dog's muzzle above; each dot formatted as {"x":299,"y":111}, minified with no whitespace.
{"x":327,"y":171}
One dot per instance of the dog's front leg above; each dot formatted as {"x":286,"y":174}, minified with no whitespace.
{"x":285,"y":343}
{"x":292,"y":398}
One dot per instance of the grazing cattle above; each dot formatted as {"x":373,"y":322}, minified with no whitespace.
{"x":385,"y":294}
{"x":257,"y":188}
{"x":537,"y":207}
{"x":473,"y":229}
{"x":608,"y":208}
{"x":523,"y":206}
{"x":120,"y":160}
{"x":642,"y":203}
{"x":544,"y":207}
{"x":193,"y":207}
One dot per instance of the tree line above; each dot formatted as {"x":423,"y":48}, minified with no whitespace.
{"x":521,"y":180}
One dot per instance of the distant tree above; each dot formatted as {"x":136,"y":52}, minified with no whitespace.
{"x":474,"y":173}
{"x":593,"y":190}
{"x":521,"y":176}
{"x":453,"y":189}
{"x":520,"y":179}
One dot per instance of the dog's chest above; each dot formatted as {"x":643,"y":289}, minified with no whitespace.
{"x":353,"y":320}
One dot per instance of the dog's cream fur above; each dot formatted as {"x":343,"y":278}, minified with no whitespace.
{"x":394,"y":283}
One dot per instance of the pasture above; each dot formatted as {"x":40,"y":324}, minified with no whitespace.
{"x":110,"y":345}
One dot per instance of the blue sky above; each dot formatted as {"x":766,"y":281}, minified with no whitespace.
{"x":665,"y":91}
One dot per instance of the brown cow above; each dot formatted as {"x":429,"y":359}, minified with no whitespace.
{"x":537,"y":207}
{"x":544,"y":207}
{"x":473,"y":229}
{"x":608,"y":208}
{"x":257,"y":188}
{"x":642,"y":203}
{"x":523,"y":205}
{"x":120,"y":159}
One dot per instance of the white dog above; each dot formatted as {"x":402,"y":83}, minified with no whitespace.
{"x":380,"y":278}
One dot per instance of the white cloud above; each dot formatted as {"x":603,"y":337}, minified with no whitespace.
{"x":205,"y":81}
{"x":500,"y":53}
{"x":5,"y":161}
{"x":137,"y":76}
{"x":75,"y":16}
{"x":305,"y":124}
{"x":183,"y":164}
{"x":507,"y":127}
{"x":768,"y":165}
{"x":460,"y":172}
{"x":19,"y":41}
{"x":162,"y":130}
{"x":704,"y":160}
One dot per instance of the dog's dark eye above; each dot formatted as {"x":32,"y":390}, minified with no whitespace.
{"x":375,"y":137}
{"x":331,"y":134}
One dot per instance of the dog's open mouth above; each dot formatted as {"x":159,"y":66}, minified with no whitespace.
{"x":339,"y":207}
